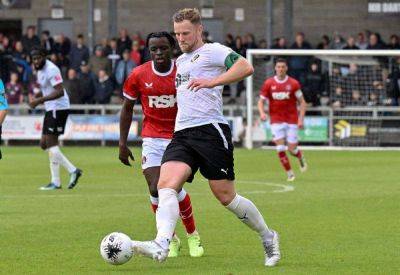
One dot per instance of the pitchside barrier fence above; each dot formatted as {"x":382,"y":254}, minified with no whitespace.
{"x":350,"y":126}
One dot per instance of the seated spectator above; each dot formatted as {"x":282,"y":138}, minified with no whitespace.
{"x":356,"y":99}
{"x":325,"y":43}
{"x":136,"y":55}
{"x":14,"y":90}
{"x":79,"y":52}
{"x":47,"y":42}
{"x":351,"y":44}
{"x":394,"y":43}
{"x":124,"y":67}
{"x":337,"y":98}
{"x":361,"y":41}
{"x":99,"y":62}
{"x":314,"y":86}
{"x":72,"y":87}
{"x":86,"y":83}
{"x":103,"y":88}
{"x":262,"y":44}
{"x":373,"y":100}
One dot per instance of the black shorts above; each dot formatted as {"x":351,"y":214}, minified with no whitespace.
{"x":207,"y":147}
{"x":54,"y":122}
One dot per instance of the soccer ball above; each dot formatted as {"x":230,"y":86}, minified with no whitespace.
{"x":116,"y":248}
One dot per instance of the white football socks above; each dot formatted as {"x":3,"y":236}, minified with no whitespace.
{"x":54,"y":169}
{"x":61,"y":159}
{"x":166,"y":216}
{"x":248,"y":213}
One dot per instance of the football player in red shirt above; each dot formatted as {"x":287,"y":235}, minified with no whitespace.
{"x":283,"y":93}
{"x":153,"y":83}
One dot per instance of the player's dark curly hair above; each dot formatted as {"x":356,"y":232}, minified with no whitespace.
{"x":159,"y":35}
{"x":37,"y":50}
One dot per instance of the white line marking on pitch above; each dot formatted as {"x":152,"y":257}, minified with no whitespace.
{"x":281,"y":188}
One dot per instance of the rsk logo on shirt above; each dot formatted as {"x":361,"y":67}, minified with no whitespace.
{"x":281,"y":95}
{"x":164,"y":101}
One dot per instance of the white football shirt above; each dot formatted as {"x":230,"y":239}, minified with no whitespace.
{"x":48,"y":77}
{"x":205,"y":105}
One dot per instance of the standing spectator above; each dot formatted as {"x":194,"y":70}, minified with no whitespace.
{"x":375,"y":42}
{"x":99,"y":62}
{"x":86,"y":83}
{"x":19,"y":51}
{"x":393,"y":85}
{"x":103,"y":88}
{"x":298,"y":65}
{"x":315,"y":85}
{"x":47,"y":42}
{"x":113,"y":54}
{"x":105,"y":44}
{"x":325,"y":43}
{"x":124,"y":67}
{"x":351,"y":44}
{"x":123,"y":42}
{"x":250,"y":41}
{"x":262,"y":44}
{"x":62,"y":45}
{"x":73,"y":88}
{"x":337,"y":42}
{"x":239,"y":47}
{"x":206,"y":37}
{"x":280,"y":43}
{"x":136,"y":56}
{"x":14,"y":90}
{"x":79,"y":52}
{"x":229,"y":41}
{"x":30,"y":39}
{"x":7,"y":45}
{"x":394,"y":43}
{"x":361,"y":41}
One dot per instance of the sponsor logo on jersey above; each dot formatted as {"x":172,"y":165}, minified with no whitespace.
{"x":163,"y":101}
{"x":281,"y":95}
{"x":181,"y":78}
{"x":273,"y":87}
{"x":57,"y":78}
{"x":148,"y":85}
{"x":195,"y":58}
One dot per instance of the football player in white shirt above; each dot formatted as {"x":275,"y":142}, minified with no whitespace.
{"x":202,"y":139}
{"x":56,"y":101}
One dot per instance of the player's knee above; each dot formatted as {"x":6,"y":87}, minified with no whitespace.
{"x":225,"y":197}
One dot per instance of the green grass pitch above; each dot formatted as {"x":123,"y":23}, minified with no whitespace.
{"x":343,"y":216}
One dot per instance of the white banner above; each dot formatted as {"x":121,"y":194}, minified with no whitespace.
{"x":22,"y":127}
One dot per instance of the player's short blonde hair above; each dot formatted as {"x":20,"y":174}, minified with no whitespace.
{"x":191,"y":14}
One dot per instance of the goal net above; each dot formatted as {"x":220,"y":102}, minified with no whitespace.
{"x":344,"y":89}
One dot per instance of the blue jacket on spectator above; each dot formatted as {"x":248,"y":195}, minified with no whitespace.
{"x":77,"y":55}
{"x":123,"y":70}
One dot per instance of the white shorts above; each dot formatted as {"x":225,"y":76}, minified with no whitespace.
{"x":284,"y":130}
{"x":152,"y":151}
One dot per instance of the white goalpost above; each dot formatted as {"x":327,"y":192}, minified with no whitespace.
{"x":356,"y":102}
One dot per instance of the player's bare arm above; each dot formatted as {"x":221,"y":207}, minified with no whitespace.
{"x":3,"y":114}
{"x":58,"y":92}
{"x":239,"y":70}
{"x":260,"y":105}
{"x":124,"y":126}
{"x":302,"y":111}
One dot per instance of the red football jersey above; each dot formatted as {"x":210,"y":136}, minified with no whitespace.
{"x":282,"y":99}
{"x":157,"y":95}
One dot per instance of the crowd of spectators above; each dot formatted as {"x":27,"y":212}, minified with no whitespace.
{"x":97,"y":78}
